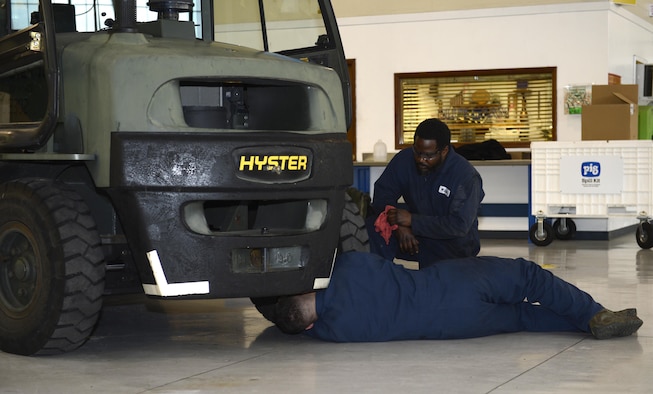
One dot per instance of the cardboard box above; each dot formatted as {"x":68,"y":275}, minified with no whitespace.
{"x":614,"y":79}
{"x":613,"y":114}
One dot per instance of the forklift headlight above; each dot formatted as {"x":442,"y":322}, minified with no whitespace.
{"x":315,"y":214}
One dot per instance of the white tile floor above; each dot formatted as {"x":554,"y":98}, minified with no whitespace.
{"x":144,"y":346}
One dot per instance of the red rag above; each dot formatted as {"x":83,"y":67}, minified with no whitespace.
{"x":382,"y":226}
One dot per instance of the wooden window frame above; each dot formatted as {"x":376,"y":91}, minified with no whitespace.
{"x":518,"y":73}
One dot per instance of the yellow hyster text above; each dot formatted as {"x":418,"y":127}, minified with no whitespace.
{"x":270,"y":163}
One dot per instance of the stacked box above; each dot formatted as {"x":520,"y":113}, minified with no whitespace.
{"x":613,"y":114}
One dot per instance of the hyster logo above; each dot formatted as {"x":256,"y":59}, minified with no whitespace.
{"x":590,"y":169}
{"x":274,"y":163}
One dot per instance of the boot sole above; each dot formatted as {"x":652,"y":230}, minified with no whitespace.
{"x":617,"y":329}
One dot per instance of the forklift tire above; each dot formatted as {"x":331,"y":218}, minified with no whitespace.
{"x":541,"y":239}
{"x":644,"y":235}
{"x":353,"y":234}
{"x":51,"y":268}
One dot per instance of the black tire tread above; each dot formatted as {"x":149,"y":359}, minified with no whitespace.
{"x":83,"y":262}
{"x":353,"y":234}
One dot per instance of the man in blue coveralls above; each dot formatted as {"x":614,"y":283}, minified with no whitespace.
{"x":373,"y":299}
{"x":443,"y":193}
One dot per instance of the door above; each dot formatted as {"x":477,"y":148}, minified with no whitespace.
{"x":302,"y":29}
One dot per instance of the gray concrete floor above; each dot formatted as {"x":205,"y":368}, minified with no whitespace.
{"x":147,"y":346}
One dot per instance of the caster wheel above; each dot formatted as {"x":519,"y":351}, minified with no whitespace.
{"x":564,"y":229}
{"x":644,"y":235}
{"x":543,"y":238}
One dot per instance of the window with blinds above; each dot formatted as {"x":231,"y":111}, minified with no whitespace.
{"x":514,"y":106}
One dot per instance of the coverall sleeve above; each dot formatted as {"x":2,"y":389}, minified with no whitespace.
{"x":463,"y":213}
{"x":387,"y":189}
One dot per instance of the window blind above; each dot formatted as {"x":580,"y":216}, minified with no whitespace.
{"x":508,"y":108}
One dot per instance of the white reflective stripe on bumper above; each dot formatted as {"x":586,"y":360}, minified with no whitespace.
{"x":163,"y":288}
{"x":323,"y":283}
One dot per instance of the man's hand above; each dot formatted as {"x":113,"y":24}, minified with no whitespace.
{"x":399,"y":216}
{"x":407,"y":241}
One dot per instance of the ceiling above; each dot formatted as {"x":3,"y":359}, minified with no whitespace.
{"x":349,"y":8}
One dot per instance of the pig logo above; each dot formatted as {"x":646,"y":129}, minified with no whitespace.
{"x":590,"y":169}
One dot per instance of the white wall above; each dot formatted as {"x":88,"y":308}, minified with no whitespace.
{"x":629,"y":37}
{"x":585,"y":41}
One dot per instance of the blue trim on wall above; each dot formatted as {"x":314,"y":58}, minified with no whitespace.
{"x":504,"y":210}
{"x":362,"y":179}
{"x":531,"y":218}
{"x":362,"y":183}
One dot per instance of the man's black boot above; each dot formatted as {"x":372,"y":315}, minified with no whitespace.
{"x":607,"y":324}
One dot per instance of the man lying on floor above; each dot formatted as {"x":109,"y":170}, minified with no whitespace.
{"x":373,"y":299}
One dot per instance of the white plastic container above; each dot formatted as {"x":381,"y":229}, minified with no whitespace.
{"x":380,"y":151}
{"x":592,"y":178}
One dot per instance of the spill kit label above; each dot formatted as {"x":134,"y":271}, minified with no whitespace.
{"x":591,"y":174}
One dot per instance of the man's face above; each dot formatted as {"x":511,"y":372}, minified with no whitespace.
{"x":427,"y":155}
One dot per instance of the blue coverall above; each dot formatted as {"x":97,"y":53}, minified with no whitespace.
{"x":373,"y":299}
{"x":444,"y":206}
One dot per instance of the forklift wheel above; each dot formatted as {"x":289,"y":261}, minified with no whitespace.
{"x":52,"y":268}
{"x":353,"y":234}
